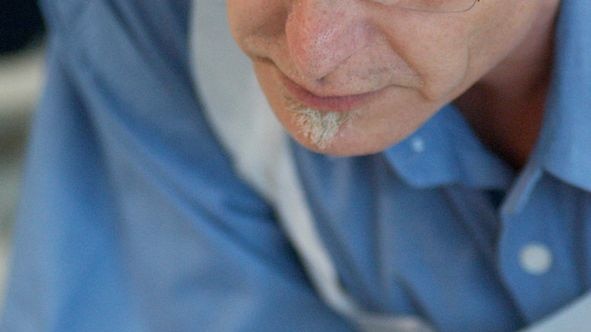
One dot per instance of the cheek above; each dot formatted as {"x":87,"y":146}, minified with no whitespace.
{"x":266,"y":76}
{"x":500,"y":32}
{"x":249,"y":19}
{"x":440,"y":55}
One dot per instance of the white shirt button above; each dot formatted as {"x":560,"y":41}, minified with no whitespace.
{"x":535,"y":258}
{"x":417,"y":144}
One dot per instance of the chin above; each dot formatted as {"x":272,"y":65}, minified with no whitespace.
{"x":343,"y":151}
{"x":339,"y":135}
{"x":344,"y":147}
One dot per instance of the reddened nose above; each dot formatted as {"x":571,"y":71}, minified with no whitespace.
{"x":323,"y":34}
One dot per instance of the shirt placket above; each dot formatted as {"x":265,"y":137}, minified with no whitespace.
{"x":536,"y":247}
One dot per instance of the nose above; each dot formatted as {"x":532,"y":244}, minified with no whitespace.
{"x":322,"y":34}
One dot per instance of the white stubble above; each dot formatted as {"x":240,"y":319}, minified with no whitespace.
{"x":319,"y":127}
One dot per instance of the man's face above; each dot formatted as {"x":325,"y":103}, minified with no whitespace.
{"x":353,"y":77}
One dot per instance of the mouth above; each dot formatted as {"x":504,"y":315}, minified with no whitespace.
{"x":337,"y":104}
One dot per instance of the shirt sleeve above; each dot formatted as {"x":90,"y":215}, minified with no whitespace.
{"x":132,"y":218}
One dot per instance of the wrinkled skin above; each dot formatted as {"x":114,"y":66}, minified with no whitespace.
{"x":412,"y":62}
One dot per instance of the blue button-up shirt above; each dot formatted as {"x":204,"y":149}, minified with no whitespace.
{"x":133,"y":218}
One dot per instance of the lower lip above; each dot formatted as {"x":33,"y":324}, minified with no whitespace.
{"x":328,"y":104}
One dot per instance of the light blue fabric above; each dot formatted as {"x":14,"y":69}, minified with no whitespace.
{"x":133,"y":220}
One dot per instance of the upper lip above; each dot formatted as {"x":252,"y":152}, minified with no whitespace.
{"x":335,"y":102}
{"x":321,"y":94}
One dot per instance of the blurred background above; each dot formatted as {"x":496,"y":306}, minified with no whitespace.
{"x":21,"y":77}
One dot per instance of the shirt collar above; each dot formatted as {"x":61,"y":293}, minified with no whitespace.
{"x":446,"y":151}
{"x":565,"y":141}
